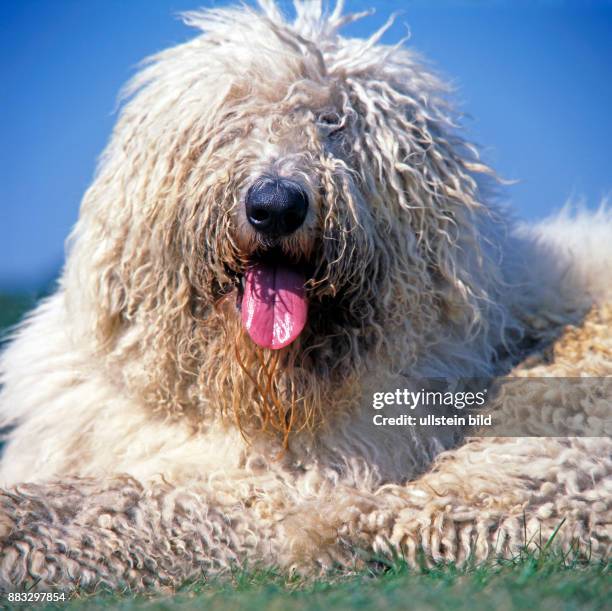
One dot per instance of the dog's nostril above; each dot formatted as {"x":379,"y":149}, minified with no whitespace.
{"x":276,"y":207}
{"x":259,"y":215}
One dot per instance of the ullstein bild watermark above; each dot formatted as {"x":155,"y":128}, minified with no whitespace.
{"x":507,"y":407}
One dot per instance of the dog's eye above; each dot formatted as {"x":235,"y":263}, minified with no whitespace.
{"x":329,"y":119}
{"x":332,"y":125}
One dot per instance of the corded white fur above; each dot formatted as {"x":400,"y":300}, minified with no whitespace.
{"x":139,"y":452}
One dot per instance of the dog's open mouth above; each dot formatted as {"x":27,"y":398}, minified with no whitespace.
{"x":274,"y":306}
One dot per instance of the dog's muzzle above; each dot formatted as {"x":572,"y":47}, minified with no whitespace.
{"x":273,"y":302}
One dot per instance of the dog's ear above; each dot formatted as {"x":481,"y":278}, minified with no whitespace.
{"x":427,"y":181}
{"x":148,"y":259}
{"x":99,"y":275}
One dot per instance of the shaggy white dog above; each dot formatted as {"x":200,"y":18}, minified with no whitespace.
{"x":283,"y":221}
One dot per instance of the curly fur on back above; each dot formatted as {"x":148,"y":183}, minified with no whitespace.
{"x":157,"y":441}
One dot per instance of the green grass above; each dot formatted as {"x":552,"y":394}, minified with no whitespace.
{"x":540,"y":580}
{"x":13,"y":307}
{"x":531,"y":581}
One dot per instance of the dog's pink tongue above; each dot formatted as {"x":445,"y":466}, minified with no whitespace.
{"x":274,"y":306}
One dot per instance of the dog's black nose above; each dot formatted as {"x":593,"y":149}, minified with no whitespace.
{"x":276,"y":207}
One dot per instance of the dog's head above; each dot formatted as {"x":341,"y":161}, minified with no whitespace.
{"x":278,"y":207}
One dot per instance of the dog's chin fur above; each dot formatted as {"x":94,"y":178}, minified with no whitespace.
{"x":200,"y":449}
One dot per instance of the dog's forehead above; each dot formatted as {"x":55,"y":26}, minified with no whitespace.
{"x":274,"y":59}
{"x":286,"y":95}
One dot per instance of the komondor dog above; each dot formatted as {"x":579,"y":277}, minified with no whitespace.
{"x":283,"y":220}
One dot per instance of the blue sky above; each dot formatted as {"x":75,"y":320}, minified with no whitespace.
{"x":535,"y":78}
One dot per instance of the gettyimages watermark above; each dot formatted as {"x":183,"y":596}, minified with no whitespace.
{"x":504,"y":407}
